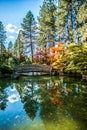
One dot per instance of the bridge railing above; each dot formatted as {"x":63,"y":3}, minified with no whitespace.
{"x":33,"y":68}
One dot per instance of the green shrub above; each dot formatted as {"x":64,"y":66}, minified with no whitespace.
{"x":6,"y":69}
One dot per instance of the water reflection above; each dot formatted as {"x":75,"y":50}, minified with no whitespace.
{"x":3,"y":99}
{"x":3,"y":95}
{"x":51,"y":102}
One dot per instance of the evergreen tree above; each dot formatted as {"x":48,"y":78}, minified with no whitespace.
{"x":29,"y":31}
{"x":65,"y":20}
{"x":77,"y":5}
{"x":47,"y":26}
{"x":10,"y":46}
{"x":67,"y":23}
{"x":18,"y":47}
{"x":2,"y":38}
{"x":62,"y":20}
{"x":82,"y":19}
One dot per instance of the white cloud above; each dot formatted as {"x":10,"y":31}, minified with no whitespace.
{"x":11,"y":28}
{"x":13,"y":98}
{"x":11,"y":37}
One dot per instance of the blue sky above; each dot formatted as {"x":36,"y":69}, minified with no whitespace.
{"x":12,"y":13}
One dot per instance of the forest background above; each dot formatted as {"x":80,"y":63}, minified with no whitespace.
{"x":58,"y":37}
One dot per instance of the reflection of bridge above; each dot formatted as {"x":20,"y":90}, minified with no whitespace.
{"x":32,"y":68}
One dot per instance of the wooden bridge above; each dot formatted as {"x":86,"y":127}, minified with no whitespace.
{"x":31,"y":68}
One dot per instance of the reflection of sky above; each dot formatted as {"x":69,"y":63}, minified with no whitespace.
{"x":14,"y":115}
{"x":28,"y":89}
{"x":13,"y":110}
{"x":13,"y":98}
{"x":13,"y":95}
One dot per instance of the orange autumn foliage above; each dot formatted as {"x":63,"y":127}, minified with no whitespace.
{"x":56,"y":56}
{"x":56,"y":91}
{"x":55,"y":95}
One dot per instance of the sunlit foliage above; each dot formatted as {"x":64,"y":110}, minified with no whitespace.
{"x":57,"y":57}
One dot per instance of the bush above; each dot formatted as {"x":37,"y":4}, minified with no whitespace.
{"x":5,"y":69}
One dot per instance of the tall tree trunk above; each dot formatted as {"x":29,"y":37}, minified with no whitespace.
{"x":31,"y":46}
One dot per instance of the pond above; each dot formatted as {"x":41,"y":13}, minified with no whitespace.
{"x":43,"y":103}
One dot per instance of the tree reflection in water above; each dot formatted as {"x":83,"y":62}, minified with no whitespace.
{"x":58,"y":100}
{"x":3,"y":95}
{"x":28,"y":96}
{"x":3,"y":99}
{"x":63,"y":97}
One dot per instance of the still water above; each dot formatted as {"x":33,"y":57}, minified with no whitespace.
{"x":43,"y":103}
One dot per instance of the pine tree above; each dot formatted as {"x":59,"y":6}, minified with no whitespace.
{"x":67,"y":23}
{"x":76,"y":25}
{"x":62,"y":21}
{"x":2,"y":38}
{"x":82,"y":19}
{"x":18,"y":47}
{"x":10,"y":46}
{"x":47,"y":26}
{"x":65,"y":20}
{"x":29,"y":32}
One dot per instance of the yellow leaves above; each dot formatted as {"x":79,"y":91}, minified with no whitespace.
{"x":55,"y":94}
{"x":52,"y":49}
{"x":55,"y":100}
{"x":60,"y":47}
{"x":57,"y":56}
